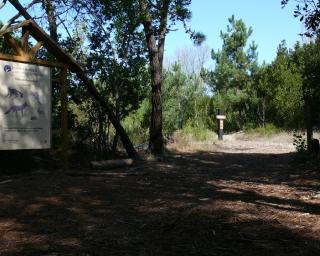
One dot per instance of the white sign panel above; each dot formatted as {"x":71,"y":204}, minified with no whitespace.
{"x":221,"y":124}
{"x":25,"y":106}
{"x":221,"y":117}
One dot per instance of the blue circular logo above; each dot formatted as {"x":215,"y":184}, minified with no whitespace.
{"x":7,"y":68}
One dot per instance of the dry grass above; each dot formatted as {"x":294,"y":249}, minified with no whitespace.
{"x":184,"y":142}
{"x":204,"y":203}
{"x":235,"y":143}
{"x":282,"y":137}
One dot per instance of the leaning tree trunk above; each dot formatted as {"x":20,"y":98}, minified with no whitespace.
{"x":118,"y":115}
{"x":76,"y":68}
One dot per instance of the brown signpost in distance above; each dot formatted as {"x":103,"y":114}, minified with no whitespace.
{"x":220,"y":118}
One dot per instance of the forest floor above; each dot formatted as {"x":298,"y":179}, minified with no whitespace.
{"x":243,"y":196}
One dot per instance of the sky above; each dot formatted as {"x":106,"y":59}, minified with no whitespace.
{"x":271,"y":24}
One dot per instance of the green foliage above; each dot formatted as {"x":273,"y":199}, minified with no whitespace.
{"x":257,"y":95}
{"x":236,"y":61}
{"x":271,"y":99}
{"x":261,"y":99}
{"x":137,"y":123}
{"x":197,"y":133}
{"x":300,"y":142}
{"x":307,"y":59}
{"x":235,"y":66}
{"x":302,"y":155}
{"x":114,"y":54}
{"x":142,"y":26}
{"x":118,"y":58}
{"x":309,"y":13}
{"x":267,"y":130}
{"x":286,"y":82}
{"x":185,"y":100}
{"x":186,"y":105}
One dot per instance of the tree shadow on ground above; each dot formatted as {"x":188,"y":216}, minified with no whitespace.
{"x":192,"y":204}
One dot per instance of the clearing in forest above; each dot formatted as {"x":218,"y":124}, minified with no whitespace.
{"x":243,"y":196}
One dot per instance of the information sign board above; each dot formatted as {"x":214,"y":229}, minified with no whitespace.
{"x":25,"y":106}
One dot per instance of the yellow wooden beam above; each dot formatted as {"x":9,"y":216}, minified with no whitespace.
{"x":24,"y":41}
{"x":35,"y":49}
{"x":28,"y":59}
{"x":14,"y":45}
{"x":13,"y":28}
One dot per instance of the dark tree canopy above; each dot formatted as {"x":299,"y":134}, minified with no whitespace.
{"x":155,"y":19}
{"x":309,"y":13}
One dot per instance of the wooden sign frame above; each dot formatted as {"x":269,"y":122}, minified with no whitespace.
{"x":24,"y":54}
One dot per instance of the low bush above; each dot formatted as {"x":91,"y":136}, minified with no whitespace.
{"x":197,"y":133}
{"x":267,"y":130}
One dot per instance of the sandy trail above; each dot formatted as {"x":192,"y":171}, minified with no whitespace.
{"x":240,"y":143}
{"x":241,"y":197}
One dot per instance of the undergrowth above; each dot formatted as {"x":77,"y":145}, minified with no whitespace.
{"x":267,"y":130}
{"x":196,"y":133}
{"x":302,"y":155}
{"x":193,"y":139}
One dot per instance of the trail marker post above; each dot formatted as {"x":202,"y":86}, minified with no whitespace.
{"x":220,"y":118}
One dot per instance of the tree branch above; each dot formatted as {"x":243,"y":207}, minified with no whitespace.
{"x":163,"y":30}
{"x":13,"y":19}
{"x":3,"y":3}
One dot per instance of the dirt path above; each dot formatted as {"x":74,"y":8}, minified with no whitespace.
{"x":242,"y":143}
{"x":233,"y":200}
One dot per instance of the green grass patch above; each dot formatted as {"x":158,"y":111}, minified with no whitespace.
{"x":267,"y":130}
{"x":197,"y":133}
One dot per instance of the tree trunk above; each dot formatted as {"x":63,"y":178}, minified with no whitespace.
{"x":108,"y":132}
{"x":115,"y":143}
{"x":118,"y":115}
{"x":156,"y":136}
{"x":110,"y":164}
{"x":180,"y":124}
{"x":112,"y":117}
{"x":155,"y":39}
{"x":49,"y":7}
{"x":100,"y":133}
{"x":76,"y":68}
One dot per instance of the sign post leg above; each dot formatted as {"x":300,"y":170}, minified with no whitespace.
{"x":64,"y":118}
{"x":220,"y":133}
